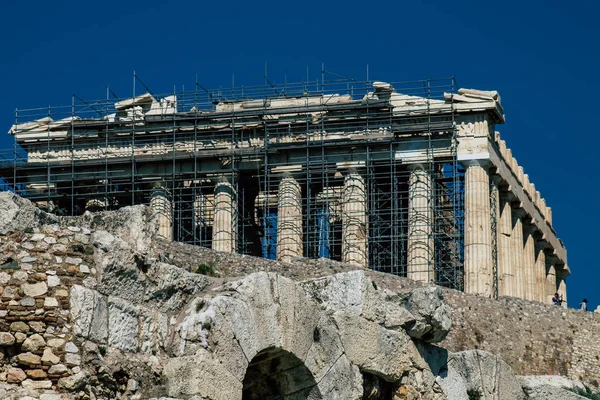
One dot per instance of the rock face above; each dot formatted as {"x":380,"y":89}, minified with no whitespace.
{"x":96,"y":307}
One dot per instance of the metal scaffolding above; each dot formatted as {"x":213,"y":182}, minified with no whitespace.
{"x":221,"y":157}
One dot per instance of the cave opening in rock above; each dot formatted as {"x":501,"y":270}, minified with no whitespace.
{"x":278,"y":374}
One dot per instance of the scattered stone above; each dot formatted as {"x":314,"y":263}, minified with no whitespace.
{"x":30,"y":384}
{"x":51,"y":272}
{"x":37,"y":237}
{"x":132,"y":385}
{"x":36,"y":374}
{"x":50,"y":240}
{"x":10,"y":264}
{"x":4,"y":278}
{"x":84,"y":269}
{"x":74,"y":382}
{"x":6,"y":339}
{"x":73,"y":260}
{"x":28,"y":259}
{"x":28,"y":359}
{"x":19,"y":326}
{"x":56,"y":343}
{"x":35,"y":289}
{"x":70,"y":347}
{"x":48,"y":358}
{"x":74,"y":229}
{"x":37,"y":326}
{"x":50,"y":396}
{"x":58,"y":369}
{"x":33,"y":343}
{"x":20,"y":337}
{"x":50,"y":302}
{"x":27,"y":302}
{"x":53,"y":281}
{"x":72,"y":359}
{"x":15,"y":375}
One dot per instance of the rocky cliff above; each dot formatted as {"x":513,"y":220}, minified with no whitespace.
{"x":94,"y":307}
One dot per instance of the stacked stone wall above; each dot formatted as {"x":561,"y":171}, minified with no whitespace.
{"x":533,"y":338}
{"x":37,"y":270}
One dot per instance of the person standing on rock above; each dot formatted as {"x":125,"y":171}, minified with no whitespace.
{"x":556,"y":300}
{"x":583,"y":305}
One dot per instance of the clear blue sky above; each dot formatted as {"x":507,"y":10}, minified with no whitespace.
{"x":542,"y":56}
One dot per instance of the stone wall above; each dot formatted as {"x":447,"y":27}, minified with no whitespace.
{"x":533,"y":338}
{"x":37,"y":270}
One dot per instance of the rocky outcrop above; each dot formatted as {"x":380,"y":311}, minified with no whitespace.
{"x":96,"y":307}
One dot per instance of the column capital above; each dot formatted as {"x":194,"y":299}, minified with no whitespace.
{"x":415,"y":166}
{"x":476,"y":162}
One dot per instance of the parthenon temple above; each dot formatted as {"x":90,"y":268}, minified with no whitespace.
{"x":408,"y":178}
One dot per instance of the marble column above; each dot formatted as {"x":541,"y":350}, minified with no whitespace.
{"x":354,"y":221}
{"x":224,"y":234}
{"x":160,"y":203}
{"x":506,"y":270}
{"x":550,"y":286}
{"x":420,"y":225}
{"x":199,"y":208}
{"x":540,"y":272}
{"x":478,"y":229}
{"x":516,"y":244}
{"x":289,"y":220}
{"x":529,"y":263}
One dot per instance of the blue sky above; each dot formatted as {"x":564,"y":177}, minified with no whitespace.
{"x":541,"y":56}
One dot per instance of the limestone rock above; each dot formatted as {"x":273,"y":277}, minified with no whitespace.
{"x":433,"y":316}
{"x":74,"y":382}
{"x":57,"y":369}
{"x":28,"y":359}
{"x":19,"y":214}
{"x":30,"y":384}
{"x":6,"y":339}
{"x":48,"y":358}
{"x":15,"y":375}
{"x":35,"y":289}
{"x":33,"y":343}
{"x":479,"y":372}
{"x":19,"y":326}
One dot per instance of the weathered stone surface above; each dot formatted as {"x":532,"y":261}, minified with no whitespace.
{"x":6,"y":339}
{"x":73,"y":382}
{"x":31,"y":384}
{"x":36,"y":374}
{"x":33,"y":343}
{"x":15,"y":375}
{"x":28,"y":359}
{"x":122,"y":324}
{"x":57,"y":369}
{"x":481,"y":372}
{"x":19,"y":214}
{"x":35,"y":289}
{"x":433,"y":316}
{"x":19,"y":326}
{"x":48,"y":358}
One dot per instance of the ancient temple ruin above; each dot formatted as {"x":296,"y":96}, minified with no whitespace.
{"x":409,"y":178}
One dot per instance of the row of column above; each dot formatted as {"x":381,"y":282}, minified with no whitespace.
{"x":289,"y":220}
{"x":523,"y":269}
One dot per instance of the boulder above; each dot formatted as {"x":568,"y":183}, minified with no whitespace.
{"x":33,"y":343}
{"x":19,"y":214}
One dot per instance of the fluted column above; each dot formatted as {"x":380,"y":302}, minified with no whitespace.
{"x":289,"y":220}
{"x":478,"y":229}
{"x":529,"y":263}
{"x":160,"y":203}
{"x":550,"y":286}
{"x":540,"y":272}
{"x":224,"y":235}
{"x":420,"y":225}
{"x":517,"y":243}
{"x":506,"y":270}
{"x":354,"y":221}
